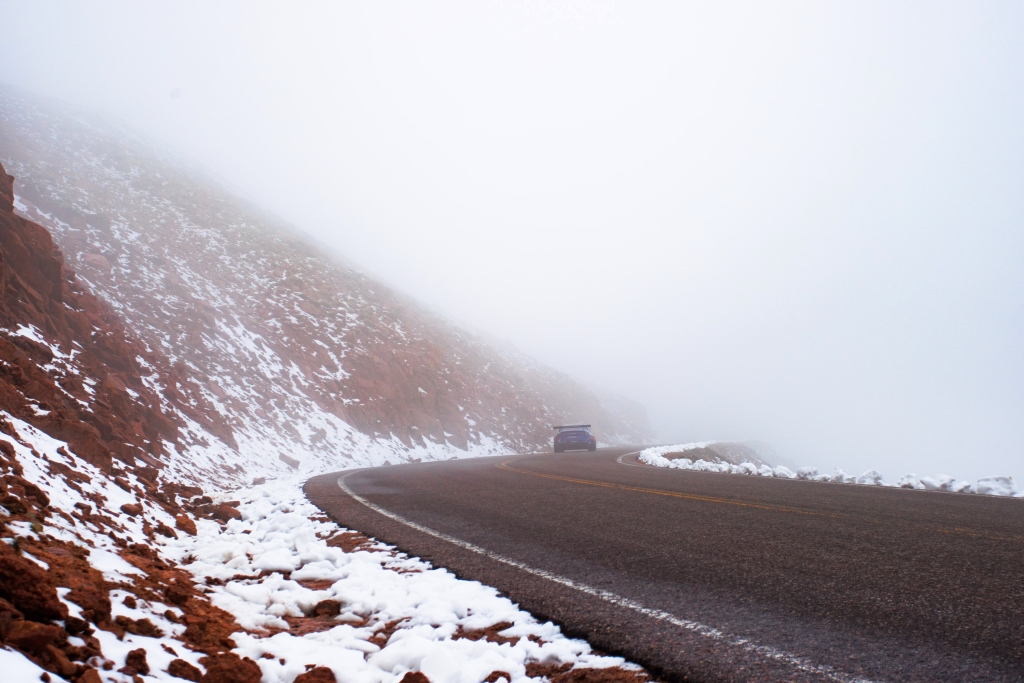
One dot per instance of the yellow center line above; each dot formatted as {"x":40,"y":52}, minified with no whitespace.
{"x":978,"y":534}
{"x":960,"y":531}
{"x":671,"y":494}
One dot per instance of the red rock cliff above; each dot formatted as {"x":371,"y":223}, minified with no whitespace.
{"x":66,"y":364}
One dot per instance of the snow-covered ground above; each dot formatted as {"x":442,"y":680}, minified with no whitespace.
{"x":282,"y":533}
{"x":989,"y":486}
{"x":304,"y":591}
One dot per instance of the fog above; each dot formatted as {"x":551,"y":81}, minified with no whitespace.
{"x":801,"y":223}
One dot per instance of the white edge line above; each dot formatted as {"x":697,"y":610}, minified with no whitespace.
{"x":630,"y":464}
{"x":768,"y":652}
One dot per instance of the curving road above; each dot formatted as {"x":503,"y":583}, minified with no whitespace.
{"x":716,"y":577}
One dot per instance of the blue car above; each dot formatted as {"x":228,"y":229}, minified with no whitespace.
{"x":574,"y":438}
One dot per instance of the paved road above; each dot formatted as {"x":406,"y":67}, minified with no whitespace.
{"x":715,"y":577}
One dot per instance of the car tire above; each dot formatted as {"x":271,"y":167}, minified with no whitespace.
{"x":557,"y":449}
{"x":592,"y":449}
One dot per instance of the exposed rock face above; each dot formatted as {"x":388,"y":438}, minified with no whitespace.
{"x":27,"y":588}
{"x":67,"y":364}
{"x":290,"y":346}
{"x":70,"y":371}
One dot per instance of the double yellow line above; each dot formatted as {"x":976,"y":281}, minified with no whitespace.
{"x":671,"y":494}
{"x":960,"y":531}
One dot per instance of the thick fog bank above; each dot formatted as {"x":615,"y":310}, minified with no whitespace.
{"x":798,"y":223}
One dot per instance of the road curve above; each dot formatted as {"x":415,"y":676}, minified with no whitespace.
{"x":717,"y":577}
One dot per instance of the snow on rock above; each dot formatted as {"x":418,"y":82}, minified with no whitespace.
{"x":910,"y":481}
{"x":394,"y":614}
{"x":996,"y":486}
{"x":661,"y":451}
{"x":871,"y":478}
{"x":274,"y":588}
{"x":96,"y":558}
{"x":989,"y":486}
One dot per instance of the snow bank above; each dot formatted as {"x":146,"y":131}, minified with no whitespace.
{"x":375,"y":587}
{"x":989,"y":486}
{"x":305,"y":591}
{"x":656,"y":456}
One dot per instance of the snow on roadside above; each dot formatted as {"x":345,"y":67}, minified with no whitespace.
{"x":273,"y":568}
{"x":297,"y":591}
{"x":90,"y":515}
{"x":988,"y":486}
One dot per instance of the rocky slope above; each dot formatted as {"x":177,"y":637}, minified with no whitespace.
{"x":67,"y":365}
{"x":83,"y":440}
{"x":114,"y":571}
{"x":297,"y":353}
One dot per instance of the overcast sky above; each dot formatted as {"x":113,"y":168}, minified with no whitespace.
{"x":795,"y":222}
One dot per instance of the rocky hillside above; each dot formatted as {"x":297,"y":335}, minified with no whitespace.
{"x":287,"y":351}
{"x":114,"y":570}
{"x":84,"y":436}
{"x":66,"y":366}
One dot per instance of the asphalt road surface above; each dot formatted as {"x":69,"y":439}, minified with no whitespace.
{"x":717,"y":577}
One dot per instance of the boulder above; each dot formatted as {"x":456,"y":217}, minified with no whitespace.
{"x":136,"y":660}
{"x":94,"y":601}
{"x":186,"y":524}
{"x":90,"y":675}
{"x":230,"y":668}
{"x":139,"y":627}
{"x":59,"y":662}
{"x":27,"y":587}
{"x":327,"y":608}
{"x":31,"y":636}
{"x":179,"y":668}
{"x":415,"y":677}
{"x":33,"y":491}
{"x":178,"y":593}
{"x":165,"y":530}
{"x":131,"y":509}
{"x":14,"y":504}
{"x":320,"y":674}
{"x":225,"y":513}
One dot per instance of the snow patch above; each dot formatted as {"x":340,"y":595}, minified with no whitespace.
{"x":282,"y":532}
{"x":988,"y":486}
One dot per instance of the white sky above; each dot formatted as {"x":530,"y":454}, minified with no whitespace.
{"x":796,"y":222}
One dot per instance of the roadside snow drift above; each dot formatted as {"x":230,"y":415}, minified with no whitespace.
{"x":129,"y":580}
{"x":376,"y":614}
{"x":673,"y":457}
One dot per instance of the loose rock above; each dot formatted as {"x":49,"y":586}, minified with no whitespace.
{"x":131,"y":509}
{"x":327,"y":608}
{"x":320,"y":674}
{"x":26,"y":586}
{"x":186,"y":524}
{"x":230,"y":668}
{"x":31,"y":636}
{"x":136,"y":659}
{"x":179,"y":668}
